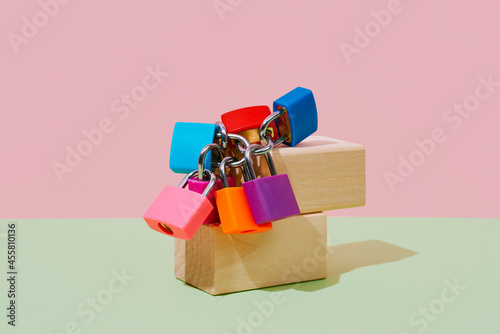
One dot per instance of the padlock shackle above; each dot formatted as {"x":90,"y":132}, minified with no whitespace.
{"x":203,"y":153}
{"x":223,"y":138}
{"x":222,"y":170}
{"x":248,"y":159}
{"x":222,"y":135}
{"x":243,"y":143}
{"x":194,"y":173}
{"x":264,"y":137}
{"x":268,"y":148}
{"x":246,"y":173}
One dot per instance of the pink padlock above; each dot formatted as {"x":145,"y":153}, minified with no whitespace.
{"x":180,"y":212}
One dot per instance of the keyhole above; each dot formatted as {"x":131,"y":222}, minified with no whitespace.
{"x":166,"y":229}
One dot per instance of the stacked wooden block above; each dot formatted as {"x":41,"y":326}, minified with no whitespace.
{"x":326,"y":174}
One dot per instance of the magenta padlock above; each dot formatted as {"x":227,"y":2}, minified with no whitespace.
{"x":179,"y":212}
{"x":270,"y":198}
{"x":199,"y":185}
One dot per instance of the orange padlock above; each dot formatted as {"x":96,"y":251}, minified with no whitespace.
{"x":234,"y":211}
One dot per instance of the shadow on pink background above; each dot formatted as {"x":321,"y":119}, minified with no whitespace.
{"x":392,"y":85}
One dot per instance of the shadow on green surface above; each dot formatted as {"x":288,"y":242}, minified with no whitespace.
{"x":348,"y":257}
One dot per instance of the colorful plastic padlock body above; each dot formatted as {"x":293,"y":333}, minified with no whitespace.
{"x":247,"y":121}
{"x":235,"y":213}
{"x":270,"y":198}
{"x":199,"y":184}
{"x":187,"y":141}
{"x":199,"y":187}
{"x":179,"y":212}
{"x":299,"y":117}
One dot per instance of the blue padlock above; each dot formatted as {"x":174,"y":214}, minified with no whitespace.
{"x":187,"y":142}
{"x":296,"y":115}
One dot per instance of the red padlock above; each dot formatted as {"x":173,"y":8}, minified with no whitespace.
{"x":247,"y":121}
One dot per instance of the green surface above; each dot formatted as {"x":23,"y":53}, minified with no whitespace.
{"x":384,"y":273}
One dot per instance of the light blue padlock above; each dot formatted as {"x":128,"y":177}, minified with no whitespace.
{"x":296,"y":116}
{"x":187,"y":142}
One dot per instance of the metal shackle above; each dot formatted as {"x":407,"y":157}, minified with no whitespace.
{"x":265,"y":125}
{"x":222,"y":134}
{"x":206,"y":172}
{"x":203,"y":154}
{"x":223,"y":138}
{"x":242,"y":142}
{"x":248,"y":159}
{"x":222,"y":170}
{"x":242,"y":145}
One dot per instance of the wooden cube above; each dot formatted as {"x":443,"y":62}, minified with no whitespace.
{"x":295,"y":250}
{"x":325,"y":173}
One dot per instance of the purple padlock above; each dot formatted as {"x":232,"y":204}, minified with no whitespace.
{"x":270,"y":198}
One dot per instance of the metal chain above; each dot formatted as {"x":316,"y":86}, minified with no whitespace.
{"x":242,"y":144}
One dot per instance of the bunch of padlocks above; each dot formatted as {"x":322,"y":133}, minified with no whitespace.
{"x":212,"y":195}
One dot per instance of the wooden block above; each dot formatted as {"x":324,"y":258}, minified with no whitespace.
{"x":325,"y":173}
{"x":295,"y":250}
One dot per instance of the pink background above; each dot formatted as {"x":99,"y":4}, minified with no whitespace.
{"x":395,"y":90}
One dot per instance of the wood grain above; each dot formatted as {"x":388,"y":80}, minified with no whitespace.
{"x":325,"y":173}
{"x":295,"y":250}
